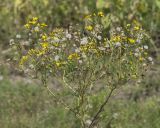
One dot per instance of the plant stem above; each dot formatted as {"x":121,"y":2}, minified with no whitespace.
{"x":93,"y":123}
{"x":63,"y":103}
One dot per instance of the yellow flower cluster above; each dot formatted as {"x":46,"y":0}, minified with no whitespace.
{"x":89,"y":28}
{"x":60,"y":63}
{"x":101,"y":14}
{"x":34,"y":20}
{"x":44,"y":37}
{"x":45,"y":45}
{"x":34,"y":23}
{"x":116,"y":38}
{"x":63,"y":49}
{"x":27,"y":26}
{"x":73,"y":56}
{"x":43,"y":25}
{"x":131,"y":41}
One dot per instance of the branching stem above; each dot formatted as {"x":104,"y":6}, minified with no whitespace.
{"x":93,"y":122}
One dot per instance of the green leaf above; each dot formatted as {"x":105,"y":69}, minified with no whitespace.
{"x":106,"y":21}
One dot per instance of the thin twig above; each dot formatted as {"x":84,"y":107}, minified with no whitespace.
{"x":93,"y":123}
{"x":66,"y":84}
{"x":62,"y":102}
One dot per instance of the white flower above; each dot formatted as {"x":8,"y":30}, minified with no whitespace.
{"x":150,"y":59}
{"x":56,"y":39}
{"x":136,"y":54}
{"x":99,"y":37}
{"x":88,"y":122}
{"x":18,"y":36}
{"x":36,"y":29}
{"x":136,"y":50}
{"x":101,"y":48}
{"x":80,"y":61}
{"x":31,"y":66}
{"x":11,"y":41}
{"x":118,"y":29}
{"x":118,"y":44}
{"x":145,"y":47}
{"x":123,"y":59}
{"x":56,"y":58}
{"x":144,"y":64}
{"x":122,"y":34}
{"x":84,"y":40}
{"x":69,"y":36}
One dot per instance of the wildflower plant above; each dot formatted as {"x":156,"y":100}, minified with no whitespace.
{"x":83,"y":56}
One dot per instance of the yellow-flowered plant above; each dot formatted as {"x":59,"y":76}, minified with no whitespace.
{"x":82,"y":57}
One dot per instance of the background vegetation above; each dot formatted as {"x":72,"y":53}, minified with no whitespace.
{"x":25,"y":104}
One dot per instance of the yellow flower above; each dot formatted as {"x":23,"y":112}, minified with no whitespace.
{"x":84,"y":48}
{"x":73,"y":56}
{"x":141,"y":49}
{"x":101,"y":14}
{"x":141,"y":59}
{"x":116,"y":38}
{"x":43,"y":25}
{"x":128,"y":25}
{"x":34,"y":18}
{"x":23,"y":60}
{"x":131,"y":41}
{"x":89,"y":28}
{"x":58,"y":64}
{"x":45,"y":45}
{"x":130,"y":53}
{"x":44,"y":37}
{"x":136,"y":28}
{"x":56,"y":44}
{"x":32,"y":22}
{"x":27,"y":26}
{"x":87,"y":17}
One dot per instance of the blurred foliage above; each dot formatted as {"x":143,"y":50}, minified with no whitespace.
{"x":13,"y":14}
{"x":145,"y":11}
{"x":30,"y":106}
